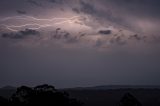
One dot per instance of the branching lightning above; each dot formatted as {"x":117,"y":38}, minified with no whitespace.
{"x":36,"y":25}
{"x":25,"y":17}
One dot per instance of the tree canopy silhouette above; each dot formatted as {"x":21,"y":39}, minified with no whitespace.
{"x":44,"y":95}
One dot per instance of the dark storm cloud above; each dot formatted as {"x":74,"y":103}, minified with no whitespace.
{"x":34,"y":2}
{"x":140,"y":7}
{"x":121,"y":39}
{"x":87,"y":7}
{"x":64,"y":35}
{"x":125,"y":13}
{"x":29,"y":32}
{"x":21,"y":12}
{"x":60,"y":34}
{"x":56,"y":1}
{"x":92,"y":9}
{"x":105,"y":32}
{"x":137,"y":37}
{"x":76,"y":10}
{"x":20,"y":34}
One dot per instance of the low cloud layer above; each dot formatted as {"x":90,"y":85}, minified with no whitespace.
{"x":20,"y":34}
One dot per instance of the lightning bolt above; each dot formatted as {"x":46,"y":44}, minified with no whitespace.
{"x":25,"y":17}
{"x":36,"y":25}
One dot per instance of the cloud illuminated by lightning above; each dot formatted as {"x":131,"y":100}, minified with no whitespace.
{"x":25,"y":17}
{"x":36,"y":25}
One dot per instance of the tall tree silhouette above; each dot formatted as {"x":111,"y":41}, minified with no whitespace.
{"x":129,"y":100}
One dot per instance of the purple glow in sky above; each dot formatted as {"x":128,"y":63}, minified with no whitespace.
{"x":71,"y":43}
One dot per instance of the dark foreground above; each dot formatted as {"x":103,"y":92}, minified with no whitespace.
{"x":147,"y":97}
{"x":48,"y":96}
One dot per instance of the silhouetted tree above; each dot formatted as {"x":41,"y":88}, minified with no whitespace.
{"x":129,"y":100}
{"x":42,"y":95}
{"x":22,"y":96}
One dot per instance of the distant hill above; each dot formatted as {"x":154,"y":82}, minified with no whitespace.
{"x":7,"y":91}
{"x":109,"y":87}
{"x":8,"y":88}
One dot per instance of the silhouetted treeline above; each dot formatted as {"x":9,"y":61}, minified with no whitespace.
{"x":47,"y":95}
{"x":44,"y":95}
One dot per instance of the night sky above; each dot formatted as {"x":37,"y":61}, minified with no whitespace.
{"x":71,"y":43}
